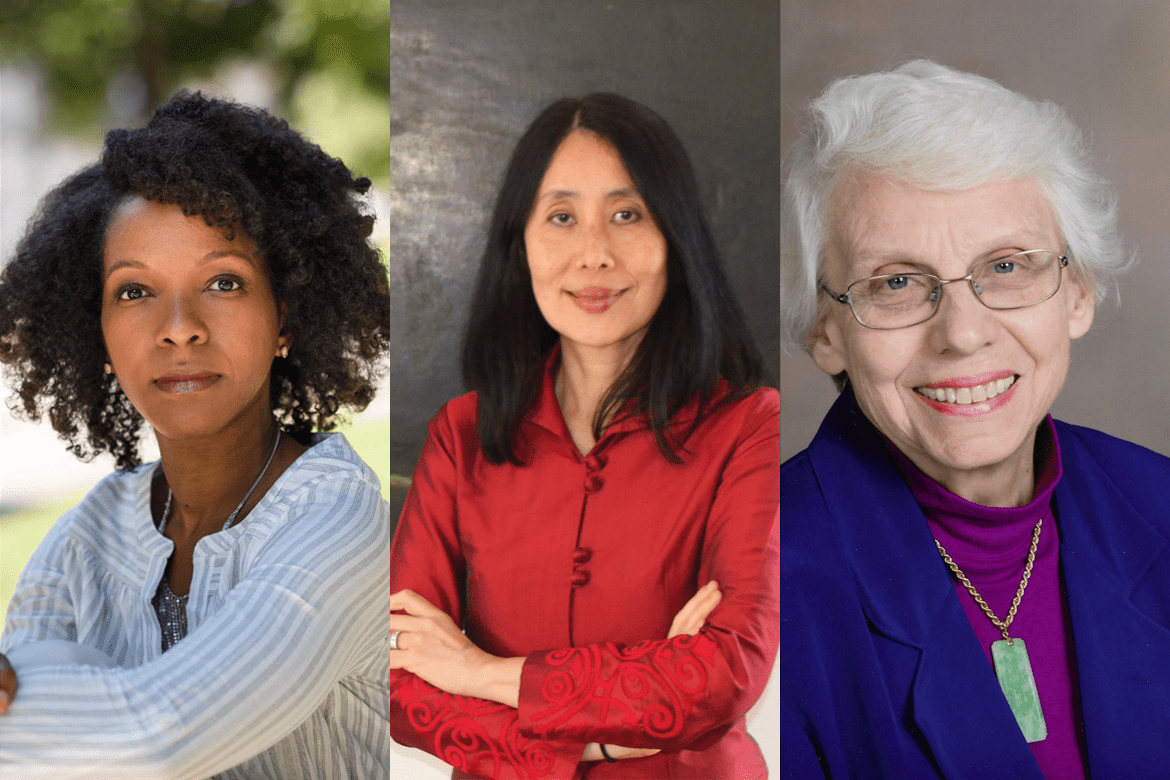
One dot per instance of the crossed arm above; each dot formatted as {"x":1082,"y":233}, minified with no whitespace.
{"x":309,"y":612}
{"x":431,"y":646}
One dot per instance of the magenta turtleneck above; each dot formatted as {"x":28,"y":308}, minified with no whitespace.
{"x":990,"y":545}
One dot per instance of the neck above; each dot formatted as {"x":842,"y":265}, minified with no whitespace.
{"x":1011,"y":482}
{"x":211,"y":475}
{"x":584,"y":377}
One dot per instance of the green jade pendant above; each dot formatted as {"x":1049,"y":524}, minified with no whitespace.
{"x":1014,"y":671}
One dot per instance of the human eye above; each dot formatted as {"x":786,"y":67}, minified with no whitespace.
{"x":561,"y":219}
{"x":130,"y":292}
{"x":226,"y":283}
{"x":889,"y":285}
{"x":626,"y":216}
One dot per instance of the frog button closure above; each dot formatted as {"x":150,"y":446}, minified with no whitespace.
{"x":581,"y":556}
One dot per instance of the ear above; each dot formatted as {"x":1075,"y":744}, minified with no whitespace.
{"x":825,"y":343}
{"x":1082,"y":304}
{"x":283,"y":339}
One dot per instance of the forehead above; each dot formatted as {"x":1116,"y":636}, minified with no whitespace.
{"x":585,"y":160}
{"x":143,"y":230}
{"x":875,"y":220}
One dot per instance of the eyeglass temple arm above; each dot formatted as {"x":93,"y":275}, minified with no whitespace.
{"x":839,"y":298}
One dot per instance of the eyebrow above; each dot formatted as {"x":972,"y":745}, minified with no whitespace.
{"x":209,"y":257}
{"x":621,"y":192}
{"x":1016,"y":242}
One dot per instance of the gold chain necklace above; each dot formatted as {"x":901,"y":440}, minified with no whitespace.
{"x":1001,"y":625}
{"x":1010,"y":656}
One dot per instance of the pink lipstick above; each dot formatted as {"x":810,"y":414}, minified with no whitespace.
{"x":595,"y":299}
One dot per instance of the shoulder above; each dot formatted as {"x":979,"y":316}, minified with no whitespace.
{"x":459,"y":412}
{"x":798,"y":482}
{"x":104,"y":531}
{"x":331,"y":456}
{"x":755,"y":412}
{"x":761,"y":403}
{"x":330,"y":481}
{"x":1123,"y":461}
{"x":110,"y":510}
{"x":456,"y":424}
{"x":1140,"y":474}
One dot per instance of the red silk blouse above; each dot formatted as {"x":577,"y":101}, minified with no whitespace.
{"x":579,"y":563}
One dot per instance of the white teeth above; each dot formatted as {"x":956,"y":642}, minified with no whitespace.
{"x":968,"y":395}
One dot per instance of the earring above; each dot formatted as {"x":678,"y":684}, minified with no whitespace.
{"x":109,"y":368}
{"x":284,"y":351}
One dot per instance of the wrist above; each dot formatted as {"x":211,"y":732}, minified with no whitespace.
{"x":498,"y":679}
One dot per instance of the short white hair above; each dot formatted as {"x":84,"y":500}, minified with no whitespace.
{"x":938,"y":129}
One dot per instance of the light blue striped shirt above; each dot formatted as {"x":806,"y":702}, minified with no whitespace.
{"x":283,"y":674}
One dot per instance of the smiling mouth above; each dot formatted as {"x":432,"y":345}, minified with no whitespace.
{"x":595,"y":299}
{"x":186,"y":384}
{"x":963,"y":396}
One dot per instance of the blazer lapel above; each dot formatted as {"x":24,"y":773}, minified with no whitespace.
{"x":1114,"y":562}
{"x":908,"y":596}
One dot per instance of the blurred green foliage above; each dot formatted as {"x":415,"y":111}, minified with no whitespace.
{"x":329,"y":60}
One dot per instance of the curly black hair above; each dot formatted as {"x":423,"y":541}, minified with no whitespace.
{"x":239,"y":168}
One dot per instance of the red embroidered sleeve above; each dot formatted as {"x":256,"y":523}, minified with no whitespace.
{"x":478,"y":737}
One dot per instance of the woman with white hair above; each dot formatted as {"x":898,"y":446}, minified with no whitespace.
{"x":969,"y":587}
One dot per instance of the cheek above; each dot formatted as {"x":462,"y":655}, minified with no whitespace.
{"x":878,"y":357}
{"x":654,"y":269}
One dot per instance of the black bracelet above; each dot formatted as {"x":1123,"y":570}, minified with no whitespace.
{"x":607,"y":758}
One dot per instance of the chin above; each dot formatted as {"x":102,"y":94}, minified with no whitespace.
{"x":971,"y":455}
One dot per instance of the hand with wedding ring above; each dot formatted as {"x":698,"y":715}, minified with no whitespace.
{"x":426,"y":642}
{"x":8,"y":684}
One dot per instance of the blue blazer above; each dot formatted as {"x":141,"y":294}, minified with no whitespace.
{"x":881,"y":674}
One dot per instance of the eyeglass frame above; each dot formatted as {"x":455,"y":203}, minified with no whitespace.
{"x":846,"y":300}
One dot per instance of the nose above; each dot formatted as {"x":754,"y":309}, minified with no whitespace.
{"x":596,"y":251}
{"x":180,"y":323}
{"x":963,"y":324}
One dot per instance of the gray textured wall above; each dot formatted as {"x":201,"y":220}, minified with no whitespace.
{"x":1106,"y":64}
{"x":469,"y":77}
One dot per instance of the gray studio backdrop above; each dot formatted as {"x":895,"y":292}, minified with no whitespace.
{"x":469,"y":77}
{"x":1104,"y":63}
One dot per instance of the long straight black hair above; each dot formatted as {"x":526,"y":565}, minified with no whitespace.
{"x":698,"y":334}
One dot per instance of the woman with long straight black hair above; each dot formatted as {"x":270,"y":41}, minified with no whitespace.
{"x":616,"y":462}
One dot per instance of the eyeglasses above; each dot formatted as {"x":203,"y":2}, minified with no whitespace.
{"x":890,"y":301}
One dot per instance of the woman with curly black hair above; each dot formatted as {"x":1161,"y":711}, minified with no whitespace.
{"x":211,"y":277}
{"x":616,"y":461}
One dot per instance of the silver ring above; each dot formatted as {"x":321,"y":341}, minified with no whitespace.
{"x":394,"y":639}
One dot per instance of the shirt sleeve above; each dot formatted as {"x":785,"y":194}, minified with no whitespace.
{"x":308,"y":613}
{"x":684,"y":692}
{"x":476,"y":736}
{"x":42,"y":606}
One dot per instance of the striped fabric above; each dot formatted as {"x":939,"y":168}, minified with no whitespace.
{"x":283,"y":674}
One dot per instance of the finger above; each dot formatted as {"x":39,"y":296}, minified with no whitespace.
{"x":691,"y":617}
{"x":413,"y":603}
{"x":410,"y":624}
{"x":8,"y":684}
{"x":621,"y":752}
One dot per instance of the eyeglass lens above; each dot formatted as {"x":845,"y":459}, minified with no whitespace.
{"x":901,"y":300}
